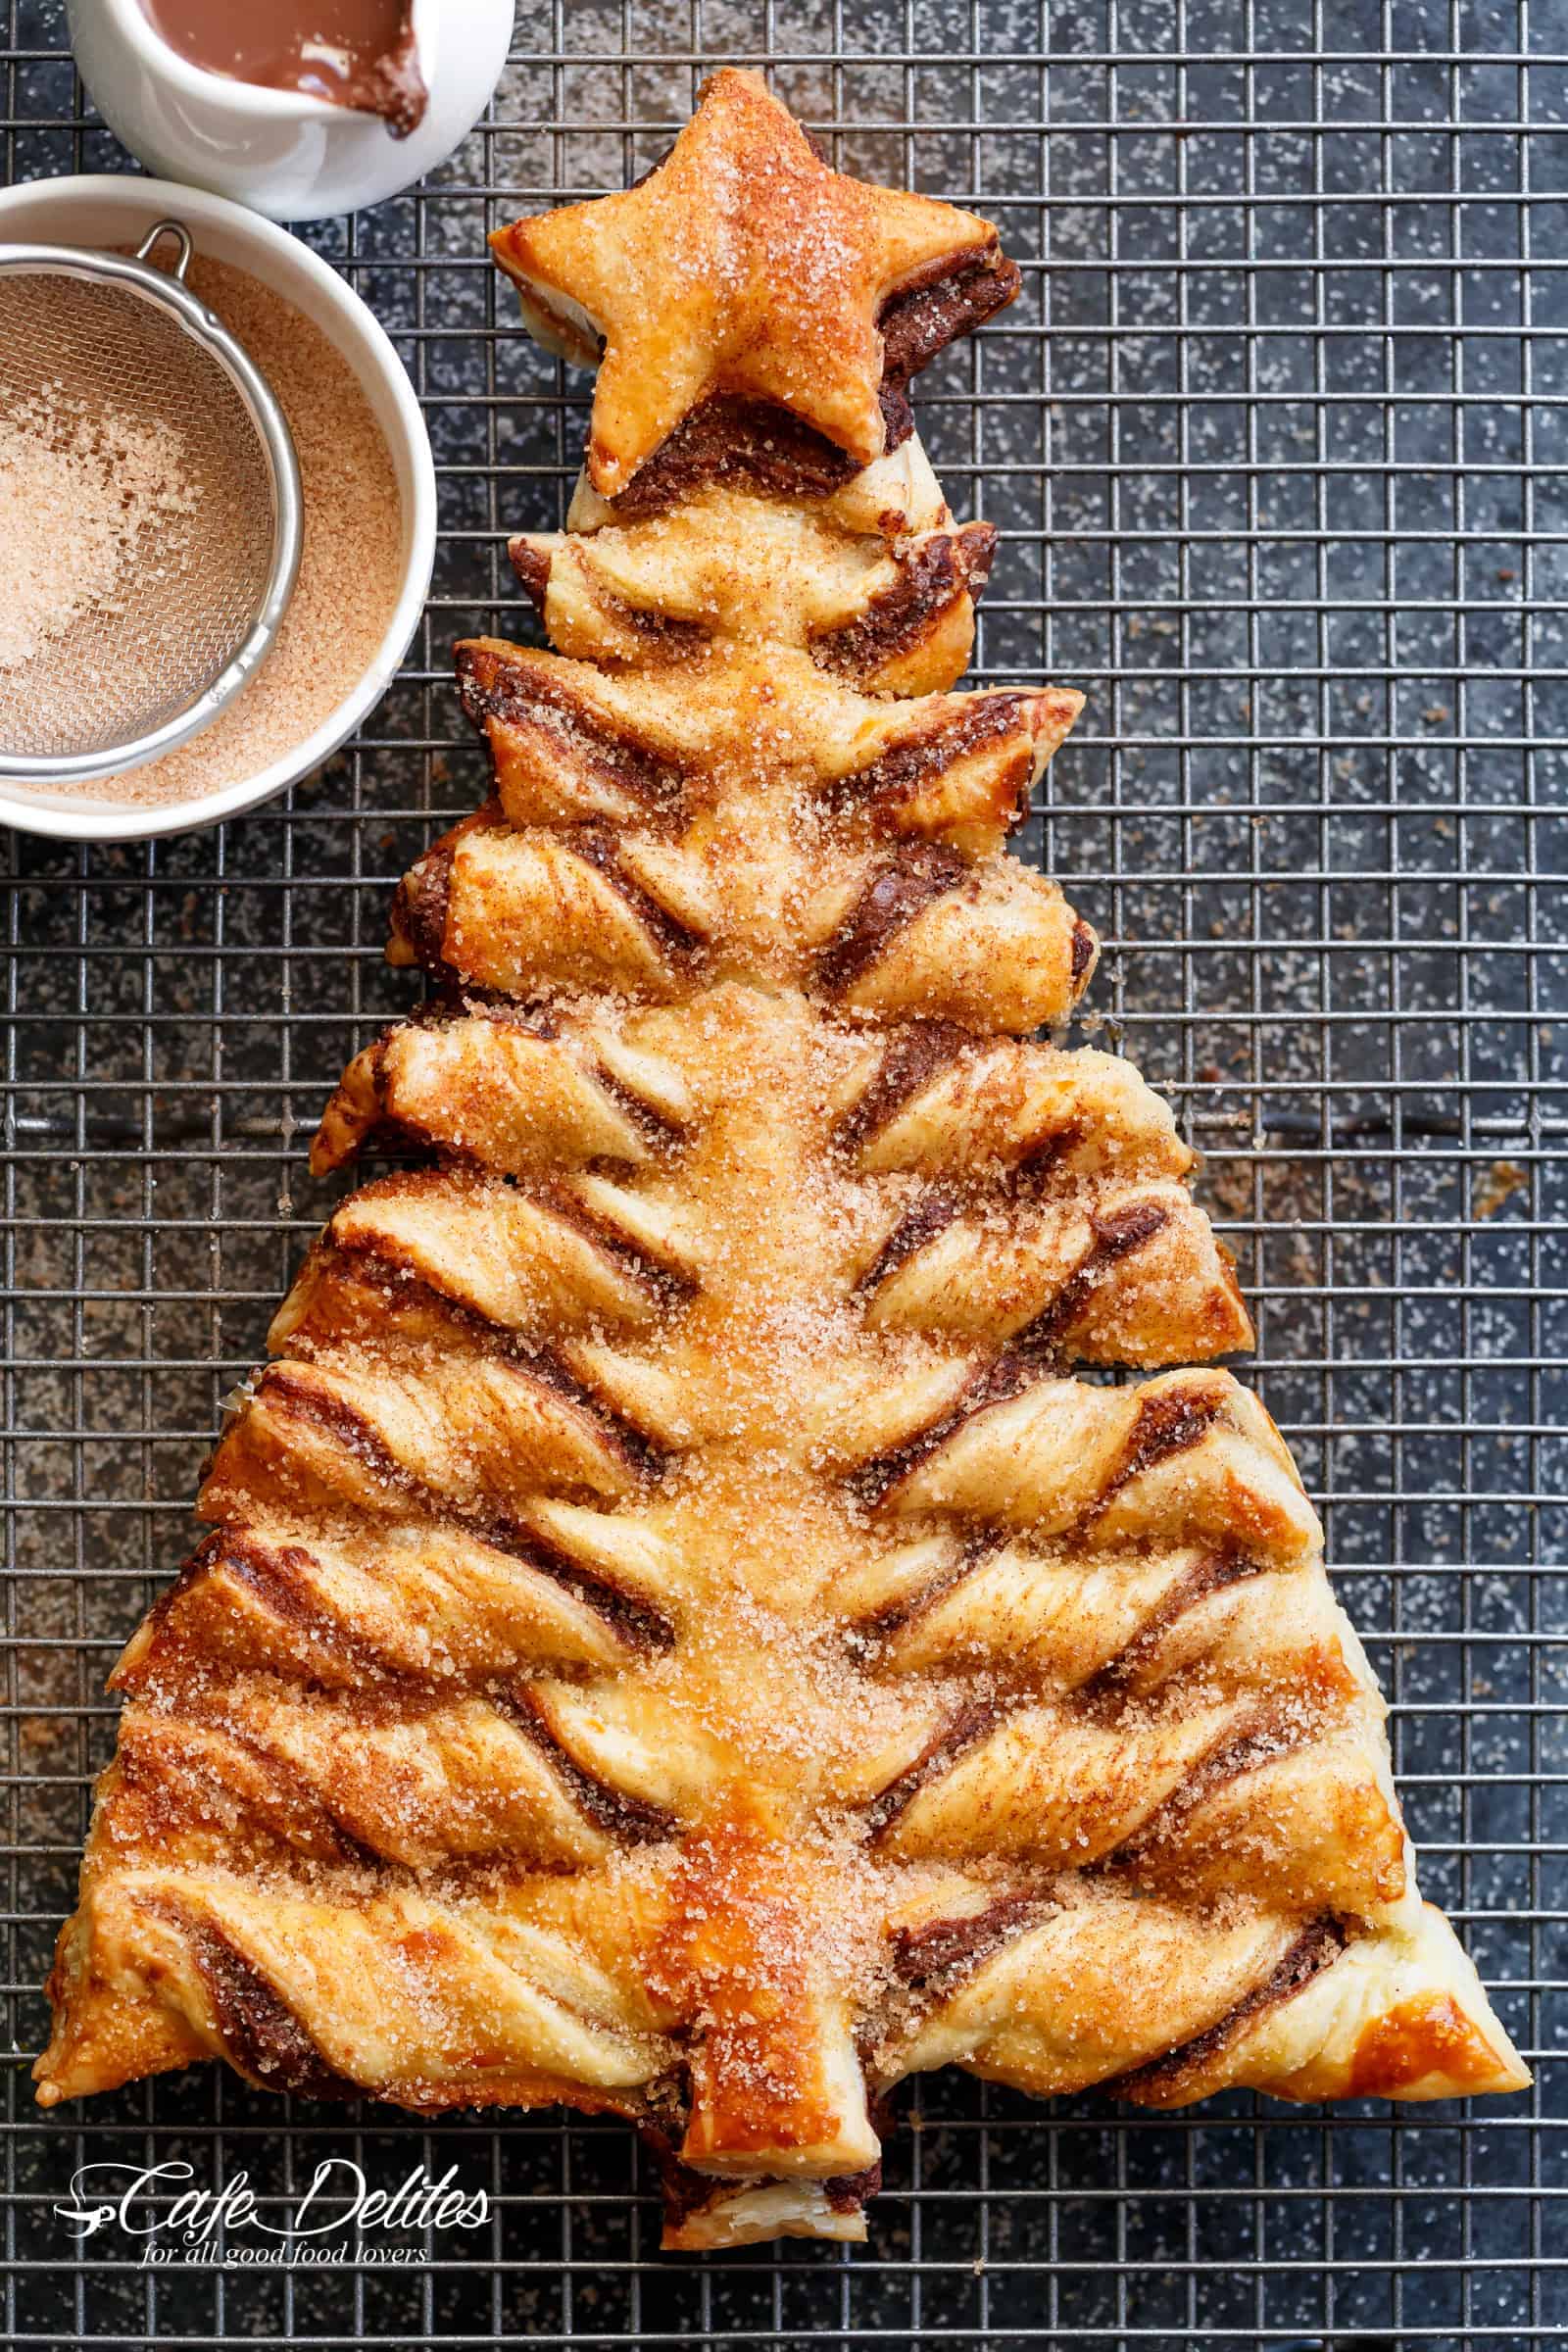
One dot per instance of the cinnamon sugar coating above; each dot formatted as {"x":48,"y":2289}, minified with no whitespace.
{"x":674,"y":1636}
{"x":745,"y":265}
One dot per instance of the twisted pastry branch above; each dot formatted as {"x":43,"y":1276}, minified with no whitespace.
{"x":674,"y":1637}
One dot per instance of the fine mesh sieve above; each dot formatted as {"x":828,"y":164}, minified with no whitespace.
{"x":149,"y":505}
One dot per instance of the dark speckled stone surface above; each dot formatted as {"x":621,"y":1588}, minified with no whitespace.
{"x":1276,"y":440}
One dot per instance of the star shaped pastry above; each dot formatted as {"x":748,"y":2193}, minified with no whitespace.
{"x":744,"y":264}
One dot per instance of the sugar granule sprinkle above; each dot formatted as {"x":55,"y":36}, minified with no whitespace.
{"x":351,"y":563}
{"x":84,"y":489}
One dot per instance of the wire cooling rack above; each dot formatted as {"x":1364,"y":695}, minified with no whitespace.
{"x":1275,"y":439}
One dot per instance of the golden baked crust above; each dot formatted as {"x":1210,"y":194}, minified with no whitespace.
{"x":746,"y":816}
{"x":874,"y":581}
{"x":674,"y":1638}
{"x":744,"y":266}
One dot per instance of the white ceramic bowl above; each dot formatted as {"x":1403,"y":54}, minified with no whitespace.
{"x":292,"y":157}
{"x":116,"y":211}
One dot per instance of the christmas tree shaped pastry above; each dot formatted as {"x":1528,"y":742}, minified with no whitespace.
{"x":676,"y":1638}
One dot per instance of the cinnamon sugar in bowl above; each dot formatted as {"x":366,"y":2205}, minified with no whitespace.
{"x":368,"y":488}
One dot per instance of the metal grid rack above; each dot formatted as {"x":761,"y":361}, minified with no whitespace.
{"x":1275,"y":439}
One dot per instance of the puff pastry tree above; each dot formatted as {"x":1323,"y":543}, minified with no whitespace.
{"x":674,"y":1638}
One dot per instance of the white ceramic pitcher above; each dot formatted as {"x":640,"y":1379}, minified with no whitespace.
{"x":292,"y":157}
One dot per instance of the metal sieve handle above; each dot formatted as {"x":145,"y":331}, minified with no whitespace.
{"x":169,"y":228}
{"x":168,"y":291}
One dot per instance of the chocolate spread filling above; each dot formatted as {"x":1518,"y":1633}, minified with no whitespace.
{"x":846,"y":2192}
{"x":511,"y":694}
{"x":207,"y":1557}
{"x":688,"y":2192}
{"x":934,"y":1959}
{"x":670,"y":1285}
{"x":1231,"y":1760}
{"x":297,"y":1803}
{"x":1083,"y":949}
{"x":637,"y":1622}
{"x":366,"y":1108}
{"x":918,"y":1225}
{"x":399,"y":1276}
{"x":261,"y":2034}
{"x":980,"y":1546}
{"x":610,"y":1809}
{"x":631,"y":1617}
{"x":1316,"y":1949}
{"x":931,"y":577}
{"x":1044,"y":1156}
{"x":1115,"y":1237}
{"x":897,"y":774}
{"x":951,"y":297}
{"x":637,"y":1449}
{"x":685,"y":2190}
{"x":729,"y":438}
{"x":1250,"y":1751}
{"x":1215,"y":1573}
{"x":485,"y":1005}
{"x":278,"y":1575}
{"x":1165,"y":1425}
{"x":919,"y":1051}
{"x":595,"y":846}
{"x":656,"y":1127}
{"x":419,"y":906}
{"x":902,"y":889}
{"x":965,"y":1731}
{"x":533,"y":565}
{"x":398,"y":1279}
{"x":746,"y":444}
{"x":994,"y":1384}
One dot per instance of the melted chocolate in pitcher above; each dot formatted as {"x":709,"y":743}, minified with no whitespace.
{"x":355,"y":53}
